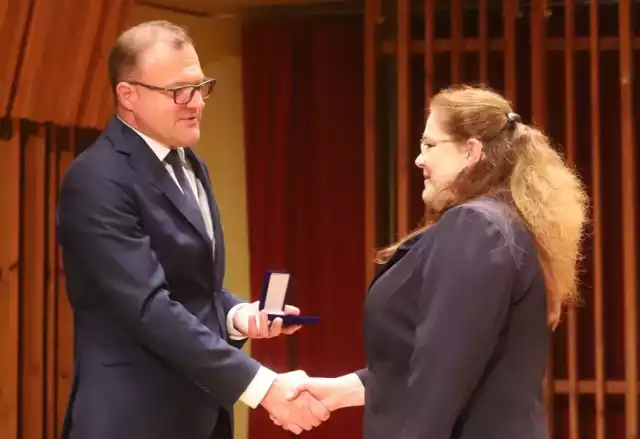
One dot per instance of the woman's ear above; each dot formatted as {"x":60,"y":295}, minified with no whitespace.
{"x":475,"y":151}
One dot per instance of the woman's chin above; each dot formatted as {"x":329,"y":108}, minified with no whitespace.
{"x":435,"y":200}
{"x":427,"y":194}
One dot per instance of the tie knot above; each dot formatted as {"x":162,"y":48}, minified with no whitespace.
{"x":173,"y":158}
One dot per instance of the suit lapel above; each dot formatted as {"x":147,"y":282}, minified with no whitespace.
{"x":146,"y":163}
{"x":397,"y":256}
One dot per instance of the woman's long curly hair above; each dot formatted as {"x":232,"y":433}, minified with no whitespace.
{"x":522,"y":168}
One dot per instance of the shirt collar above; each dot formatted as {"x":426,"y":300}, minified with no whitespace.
{"x":159,"y":149}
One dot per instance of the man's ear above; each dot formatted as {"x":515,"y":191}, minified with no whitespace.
{"x":475,"y":151}
{"x":125,"y":94}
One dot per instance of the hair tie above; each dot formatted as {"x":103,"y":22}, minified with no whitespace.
{"x":513,"y":118}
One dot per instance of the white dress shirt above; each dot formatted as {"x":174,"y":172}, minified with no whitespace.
{"x":263,"y":380}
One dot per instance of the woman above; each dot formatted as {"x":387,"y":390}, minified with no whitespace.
{"x":457,"y":319}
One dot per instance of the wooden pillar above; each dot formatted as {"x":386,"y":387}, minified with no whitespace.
{"x":403,"y":117}
{"x":509,"y":12}
{"x":629,"y":202}
{"x":570,"y":153}
{"x":594,"y":90}
{"x":372,"y":13}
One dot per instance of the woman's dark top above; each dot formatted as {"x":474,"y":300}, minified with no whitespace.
{"x":456,"y":333}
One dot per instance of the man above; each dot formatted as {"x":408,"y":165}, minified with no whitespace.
{"x":157,"y":337}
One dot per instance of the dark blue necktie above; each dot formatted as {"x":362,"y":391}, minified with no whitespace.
{"x":173,"y":158}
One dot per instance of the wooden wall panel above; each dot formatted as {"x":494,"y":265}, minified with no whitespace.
{"x":64,"y":321}
{"x":567,"y":67}
{"x":57,"y":73}
{"x":51,"y":290}
{"x":32,"y":282}
{"x":9,"y":278}
{"x":36,"y":323}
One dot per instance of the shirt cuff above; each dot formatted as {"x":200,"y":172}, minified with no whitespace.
{"x":234,"y":334}
{"x":258,"y":388}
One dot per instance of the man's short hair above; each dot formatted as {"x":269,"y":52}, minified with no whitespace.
{"x":135,"y":40}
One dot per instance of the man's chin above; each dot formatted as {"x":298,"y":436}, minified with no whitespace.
{"x":191,"y":138}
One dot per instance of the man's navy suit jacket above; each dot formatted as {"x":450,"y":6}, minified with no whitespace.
{"x":152,"y":359}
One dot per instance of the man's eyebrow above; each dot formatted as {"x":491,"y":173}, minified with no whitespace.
{"x":183,"y":83}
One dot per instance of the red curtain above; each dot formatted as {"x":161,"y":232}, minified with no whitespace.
{"x":303,"y":100}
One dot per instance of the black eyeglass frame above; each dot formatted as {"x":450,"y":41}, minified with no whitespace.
{"x":178,"y":89}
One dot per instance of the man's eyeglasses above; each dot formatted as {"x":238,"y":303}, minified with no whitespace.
{"x":182,"y":94}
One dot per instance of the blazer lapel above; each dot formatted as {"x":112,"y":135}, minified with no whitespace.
{"x":146,"y":163}
{"x":397,"y":256}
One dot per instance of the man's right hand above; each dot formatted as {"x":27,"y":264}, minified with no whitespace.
{"x":303,"y":413}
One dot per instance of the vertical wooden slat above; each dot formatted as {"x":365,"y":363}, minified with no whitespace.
{"x":64,"y":356}
{"x":598,"y":304}
{"x":456,"y":41}
{"x":372,"y":9}
{"x":629,"y":202}
{"x":32,"y":286}
{"x":484,"y":41}
{"x":509,"y":11}
{"x":570,"y":136}
{"x":404,"y":119}
{"x":429,"y":59}
{"x":9,"y":281}
{"x":538,"y":61}
{"x":538,"y":111}
{"x":51,"y":286}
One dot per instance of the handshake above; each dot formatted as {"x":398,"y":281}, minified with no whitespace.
{"x":297,"y":402}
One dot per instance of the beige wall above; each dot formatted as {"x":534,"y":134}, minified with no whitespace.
{"x":222,"y":144}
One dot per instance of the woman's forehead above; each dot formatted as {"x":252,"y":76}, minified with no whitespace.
{"x":432,"y":129}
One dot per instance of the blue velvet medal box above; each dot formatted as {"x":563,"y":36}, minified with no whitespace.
{"x":274,"y":296}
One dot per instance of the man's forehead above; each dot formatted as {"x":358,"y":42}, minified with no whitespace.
{"x":165,"y":57}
